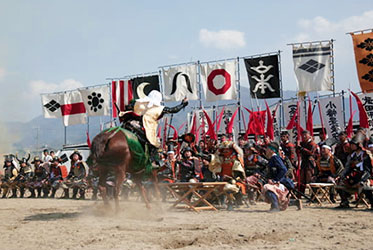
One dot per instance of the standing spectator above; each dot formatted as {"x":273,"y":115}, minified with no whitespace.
{"x":342,"y":149}
{"x":308,"y":150}
{"x":288,"y":147}
{"x":76,"y":178}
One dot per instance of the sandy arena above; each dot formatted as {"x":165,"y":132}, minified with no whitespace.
{"x":70,"y":224}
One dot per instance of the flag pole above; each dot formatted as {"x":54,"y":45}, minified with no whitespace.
{"x":239,"y":95}
{"x":332,"y":64}
{"x":282,"y":114}
{"x":65,"y":137}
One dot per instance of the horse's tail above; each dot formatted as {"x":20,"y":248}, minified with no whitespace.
{"x":99,"y":145}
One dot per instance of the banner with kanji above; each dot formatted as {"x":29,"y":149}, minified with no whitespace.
{"x":363,"y":48}
{"x":264,"y":77}
{"x":332,"y":113}
{"x":367,"y":100}
{"x":290,"y":109}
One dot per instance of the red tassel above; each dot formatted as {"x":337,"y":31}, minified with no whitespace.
{"x":193,"y":130}
{"x":270,"y":131}
{"x":219,"y":118}
{"x":349,"y":128}
{"x":363,"y":117}
{"x":309,"y":125}
{"x":175,"y":132}
{"x":88,"y":140}
{"x":211,"y":130}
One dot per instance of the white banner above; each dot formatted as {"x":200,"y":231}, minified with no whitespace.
{"x":201,"y":122}
{"x":73,"y":109}
{"x":52,"y":105}
{"x":227,"y":115}
{"x":331,"y":111}
{"x":219,"y":81}
{"x":367,"y":100}
{"x":180,"y":82}
{"x":96,"y":100}
{"x":312,"y":67}
{"x":289,"y":111}
{"x":275,"y":111}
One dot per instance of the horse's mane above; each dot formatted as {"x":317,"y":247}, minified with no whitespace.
{"x":99,"y":145}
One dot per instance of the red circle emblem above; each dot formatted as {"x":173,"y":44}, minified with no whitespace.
{"x":210,"y":81}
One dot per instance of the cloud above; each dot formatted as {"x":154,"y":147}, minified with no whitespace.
{"x":222,"y":39}
{"x":2,"y":73}
{"x":320,"y":27}
{"x":38,"y":87}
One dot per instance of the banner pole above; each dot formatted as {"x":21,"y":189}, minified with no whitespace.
{"x":65,"y":136}
{"x":239,"y":95}
{"x":332,"y":64}
{"x":344,"y":111}
{"x":282,"y":118}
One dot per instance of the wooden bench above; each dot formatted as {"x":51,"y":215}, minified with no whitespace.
{"x":186,"y":191}
{"x":320,"y":192}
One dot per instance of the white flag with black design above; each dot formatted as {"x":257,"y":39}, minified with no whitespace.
{"x":312,"y":67}
{"x":289,"y":111}
{"x":52,"y":105}
{"x":96,"y":100}
{"x":180,"y":82}
{"x":331,"y":111}
{"x":367,"y":100}
{"x":219,"y":81}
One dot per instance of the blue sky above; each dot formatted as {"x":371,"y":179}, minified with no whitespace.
{"x":48,"y":46}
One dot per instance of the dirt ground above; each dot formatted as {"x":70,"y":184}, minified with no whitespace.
{"x":73,"y":224}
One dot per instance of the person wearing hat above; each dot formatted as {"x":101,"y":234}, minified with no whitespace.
{"x":328,"y":168}
{"x":276,"y":189}
{"x":25,"y":175}
{"x":55,"y":176}
{"x":76,"y":178}
{"x":187,"y":165}
{"x":357,"y":173}
{"x":8,"y":180}
{"x":227,"y":165}
{"x":39,"y":180}
{"x":342,"y":150}
{"x":253,"y":162}
{"x":309,"y":151}
{"x":288,"y":147}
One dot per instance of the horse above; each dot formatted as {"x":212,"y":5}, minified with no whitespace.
{"x":110,"y":151}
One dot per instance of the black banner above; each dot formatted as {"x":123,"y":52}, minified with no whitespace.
{"x":263,"y":74}
{"x":142,"y":86}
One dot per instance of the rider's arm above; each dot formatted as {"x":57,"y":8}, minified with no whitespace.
{"x":175,"y":109}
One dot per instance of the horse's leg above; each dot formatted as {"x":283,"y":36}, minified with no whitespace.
{"x":102,"y":185}
{"x":120,"y":174}
{"x":144,"y":193}
{"x":156,"y":186}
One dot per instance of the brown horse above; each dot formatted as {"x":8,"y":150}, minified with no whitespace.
{"x":110,"y":153}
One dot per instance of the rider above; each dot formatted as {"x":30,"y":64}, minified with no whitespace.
{"x":150,"y":110}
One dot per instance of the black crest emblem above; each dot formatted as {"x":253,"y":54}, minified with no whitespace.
{"x":95,"y":101}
